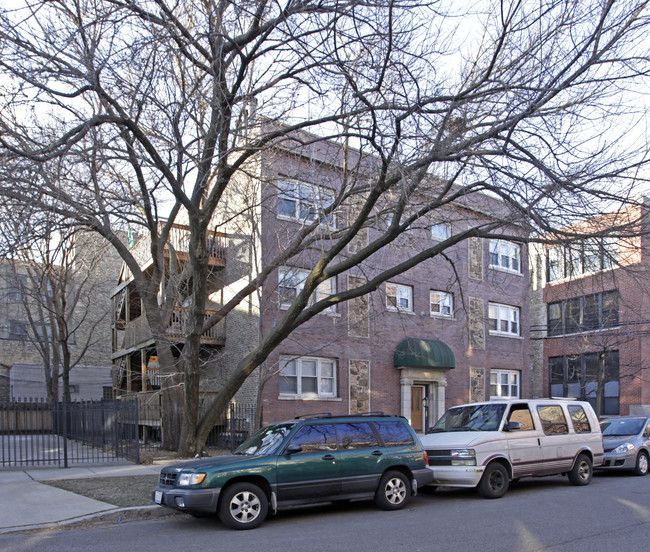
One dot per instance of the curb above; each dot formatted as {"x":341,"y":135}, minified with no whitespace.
{"x":114,"y":515}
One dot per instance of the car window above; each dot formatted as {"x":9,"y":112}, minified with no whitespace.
{"x":315,"y":438}
{"x":356,"y":436}
{"x":553,"y":420}
{"x":579,"y":419}
{"x":394,"y":434}
{"x":521,"y":415}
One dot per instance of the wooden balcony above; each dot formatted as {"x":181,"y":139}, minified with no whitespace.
{"x":136,"y":333}
{"x":179,"y":238}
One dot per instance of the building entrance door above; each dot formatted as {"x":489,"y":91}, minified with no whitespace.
{"x":417,"y":407}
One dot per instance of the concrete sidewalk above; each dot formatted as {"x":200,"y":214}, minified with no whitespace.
{"x":27,"y":503}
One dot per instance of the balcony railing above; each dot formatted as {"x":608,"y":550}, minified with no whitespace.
{"x":136,"y":332}
{"x":179,"y":239}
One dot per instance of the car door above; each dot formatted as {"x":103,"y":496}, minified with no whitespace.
{"x":524,"y":441}
{"x":312,"y":471}
{"x":558,"y":449}
{"x":360,"y":457}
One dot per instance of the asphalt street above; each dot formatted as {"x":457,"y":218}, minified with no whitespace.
{"x":613,"y":513}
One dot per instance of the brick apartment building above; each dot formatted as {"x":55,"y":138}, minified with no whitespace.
{"x":446,"y":332}
{"x":443,"y":333}
{"x":591,"y":320}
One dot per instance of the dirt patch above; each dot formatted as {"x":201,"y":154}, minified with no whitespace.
{"x":124,"y":492}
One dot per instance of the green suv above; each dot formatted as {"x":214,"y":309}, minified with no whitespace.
{"x":310,"y":459}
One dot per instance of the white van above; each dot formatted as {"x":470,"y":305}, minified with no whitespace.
{"x":487,"y":445}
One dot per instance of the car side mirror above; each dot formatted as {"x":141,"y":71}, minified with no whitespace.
{"x":293,"y":449}
{"x":513,"y":426}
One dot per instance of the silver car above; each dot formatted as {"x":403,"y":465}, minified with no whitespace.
{"x":626,"y":442}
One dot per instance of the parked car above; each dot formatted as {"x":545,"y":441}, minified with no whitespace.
{"x":627,"y":443}
{"x":488,"y":445}
{"x":311,"y":459}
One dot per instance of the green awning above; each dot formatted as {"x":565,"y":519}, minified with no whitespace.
{"x":424,"y":353}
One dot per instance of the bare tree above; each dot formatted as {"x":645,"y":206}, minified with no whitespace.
{"x":57,"y":278}
{"x":162,"y":109}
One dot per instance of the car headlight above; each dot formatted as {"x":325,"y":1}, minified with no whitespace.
{"x":187,"y":479}
{"x":463,"y":457}
{"x":622,"y":449}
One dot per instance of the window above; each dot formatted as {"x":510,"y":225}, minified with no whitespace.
{"x":441,"y":303}
{"x":579,"y":419}
{"x":577,"y":377}
{"x":394,"y":434}
{"x":291,"y":283}
{"x":440,"y":231}
{"x":18,"y":330}
{"x":588,"y":313}
{"x":505,"y":255}
{"x":308,"y":376}
{"x":16,"y":288}
{"x":591,"y":255}
{"x":44,"y":332}
{"x":315,"y":438}
{"x":303,"y":202}
{"x":356,"y":436}
{"x":503,"y":320}
{"x":553,"y":420}
{"x":520,"y":414}
{"x":504,"y":384}
{"x":399,"y":297}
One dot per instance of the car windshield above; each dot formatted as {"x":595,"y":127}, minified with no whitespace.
{"x":482,"y":417}
{"x":622,"y":427}
{"x":266,"y":441}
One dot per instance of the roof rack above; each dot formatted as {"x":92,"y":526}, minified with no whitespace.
{"x":330,"y":415}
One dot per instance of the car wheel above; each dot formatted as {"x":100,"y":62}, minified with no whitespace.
{"x":582,"y":471}
{"x":495,"y":481}
{"x":393,"y":492}
{"x":243,"y":506}
{"x":641,"y":466}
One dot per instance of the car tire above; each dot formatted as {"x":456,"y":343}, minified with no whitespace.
{"x":582,"y":471}
{"x":243,"y":506}
{"x":393,"y":492}
{"x":495,"y":481}
{"x":641,"y":465}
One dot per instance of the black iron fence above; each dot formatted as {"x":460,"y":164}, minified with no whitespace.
{"x":35,"y":433}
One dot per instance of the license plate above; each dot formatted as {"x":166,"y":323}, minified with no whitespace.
{"x":158,"y":497}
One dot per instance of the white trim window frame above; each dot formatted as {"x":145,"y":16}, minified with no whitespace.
{"x":291,"y":281}
{"x":399,"y":297}
{"x":441,"y":304}
{"x":440,"y":231}
{"x":307,"y":377}
{"x":505,"y":384}
{"x":303,"y":202}
{"x":505,"y":256}
{"x":504,"y":320}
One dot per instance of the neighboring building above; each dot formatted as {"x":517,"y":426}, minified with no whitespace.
{"x":22,"y":368}
{"x":591,"y":334}
{"x":443,"y":333}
